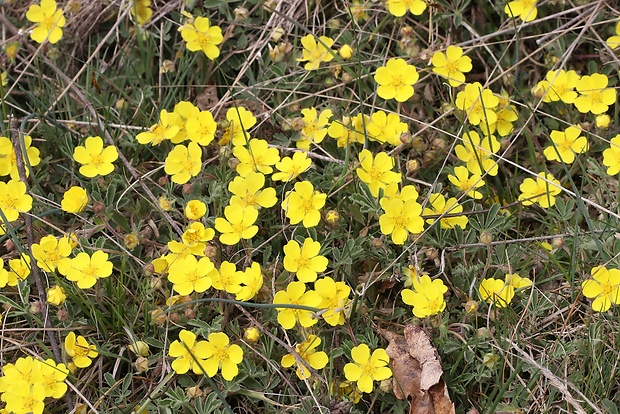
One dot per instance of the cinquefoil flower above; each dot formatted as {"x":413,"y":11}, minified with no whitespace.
{"x":201,"y":35}
{"x":367,"y":368}
{"x":604,"y":288}
{"x":306,"y":351}
{"x":452,"y":65}
{"x":316,"y":52}
{"x":396,"y":80}
{"x":49,"y":20}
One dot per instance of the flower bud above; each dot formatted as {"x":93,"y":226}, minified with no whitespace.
{"x":141,"y":364}
{"x":486,"y":238}
{"x":140,"y":348}
{"x":252,"y":334}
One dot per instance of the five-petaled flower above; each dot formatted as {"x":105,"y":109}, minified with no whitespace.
{"x":166,"y":128}
{"x":238,"y":224}
{"x":604,"y":288}
{"x":85,"y":269}
{"x":478,"y":153}
{"x":304,"y":261}
{"x":49,"y":21}
{"x":426,"y":296}
{"x":439,"y":206}
{"x":95,"y":159}
{"x":501,"y":292}
{"x":190,"y":275}
{"x":565,"y":144}
{"x":377,"y":171}
{"x":188,"y":353}
{"x":594,"y":95}
{"x":184,"y":162}
{"x":307,"y":352}
{"x":142,"y":11}
{"x":222,"y":355}
{"x":257,"y":157}
{"x":201,"y":35}
{"x":367,"y":368}
{"x":558,"y":85}
{"x":303,"y":204}
{"x":611,"y":156}
{"x":452,"y":65}
{"x":290,"y":168}
{"x":543,"y":190}
{"x":525,"y":9}
{"x":13,"y":199}
{"x":238,"y":122}
{"x":248,"y":191}
{"x":316,"y":52}
{"x":80,"y":351}
{"x":398,"y":8}
{"x":51,"y":253}
{"x":396,"y":80}
{"x":478,"y":104}
{"x":314,"y":127}
{"x":466,"y":183}
{"x":296,"y":295}
{"x":400,"y":218}
{"x":74,"y":200}
{"x":335,"y":300}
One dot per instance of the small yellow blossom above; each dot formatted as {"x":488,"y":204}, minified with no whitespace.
{"x":306,"y":351}
{"x":183,"y":162}
{"x":56,"y":295}
{"x":543,"y":190}
{"x":201,"y":35}
{"x":452,"y":65}
{"x":398,"y":8}
{"x":603,"y":287}
{"x":95,"y":159}
{"x":80,"y":351}
{"x":396,"y":80}
{"x":195,"y":210}
{"x":594,"y":95}
{"x":565,"y":144}
{"x":74,"y":200}
{"x":367,"y":368}
{"x":611,"y":156}
{"x":316,"y":52}
{"x":525,"y":9}
{"x":142,"y":11}
{"x":49,"y":21}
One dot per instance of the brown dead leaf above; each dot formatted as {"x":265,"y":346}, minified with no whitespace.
{"x":417,"y":372}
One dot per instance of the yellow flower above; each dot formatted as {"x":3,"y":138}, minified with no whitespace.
{"x":165,"y":203}
{"x":614,"y":41}
{"x":604,"y":287}
{"x":80,"y":351}
{"x":195,"y":210}
{"x":228,"y":278}
{"x":49,"y":21}
{"x":8,"y":159}
{"x":184,"y":162}
{"x":566,"y":144}
{"x":611,"y":156}
{"x":202,"y":36}
{"x":335,"y":300}
{"x":316,"y":52}
{"x":258,"y":157}
{"x":525,"y":9}
{"x":501,"y":292}
{"x":95,"y":159}
{"x":290,"y":168}
{"x":252,"y":334}
{"x":238,"y":122}
{"x":13,"y":199}
{"x":306,"y":351}
{"x":367,"y":368}
{"x":190,"y":275}
{"x":303,"y":204}
{"x":594,"y":95}
{"x":396,"y":80}
{"x":478,"y":154}
{"x":543,"y":190}
{"x":85,"y":270}
{"x":452,"y":65}
{"x":19,"y":269}
{"x":400,"y":219}
{"x":463,"y":182}
{"x":251,"y":282}
{"x":295,"y":294}
{"x":166,"y":128}
{"x":238,"y":224}
{"x":398,"y":8}
{"x":386,"y":128}
{"x":56,"y":295}
{"x":440,"y":206}
{"x":426,"y":297}
{"x":477,"y":103}
{"x":222,"y":356}
{"x":346,"y":52}
{"x":4,"y":78}
{"x":74,"y":200}
{"x":603,"y":121}
{"x":304,"y":261}
{"x":248,"y":191}
{"x":51,"y":253}
{"x":201,"y":128}
{"x":141,"y":11}
{"x":188,"y":353}
{"x":315,"y":127}
{"x":558,"y":85}
{"x":377,"y":171}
